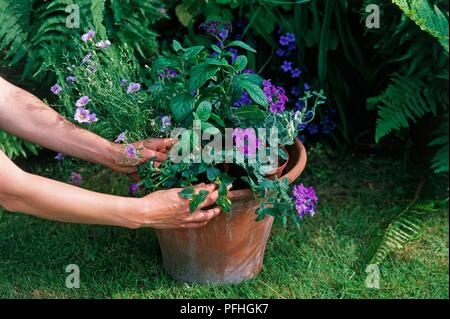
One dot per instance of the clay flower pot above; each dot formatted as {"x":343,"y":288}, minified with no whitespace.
{"x":230,"y":249}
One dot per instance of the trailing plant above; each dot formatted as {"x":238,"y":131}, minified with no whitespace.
{"x":194,"y":95}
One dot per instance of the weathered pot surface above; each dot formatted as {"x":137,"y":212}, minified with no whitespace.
{"x":230,"y":248}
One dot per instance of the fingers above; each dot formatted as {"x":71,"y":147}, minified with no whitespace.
{"x":148,"y":154}
{"x":160,"y":144}
{"x":201,"y":216}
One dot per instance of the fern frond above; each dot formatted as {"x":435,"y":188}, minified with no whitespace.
{"x":429,"y":19}
{"x":405,"y":99}
{"x":403,"y":229}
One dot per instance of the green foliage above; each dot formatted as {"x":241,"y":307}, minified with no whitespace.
{"x":27,"y":26}
{"x":418,"y":87}
{"x":404,"y":228}
{"x":13,"y":146}
{"x":428,"y":17}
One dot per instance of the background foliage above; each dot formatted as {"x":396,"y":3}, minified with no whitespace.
{"x":387,"y":86}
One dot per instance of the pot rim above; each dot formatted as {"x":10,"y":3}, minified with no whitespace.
{"x":291,"y":175}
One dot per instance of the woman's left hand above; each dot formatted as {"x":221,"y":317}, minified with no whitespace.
{"x":152,"y":148}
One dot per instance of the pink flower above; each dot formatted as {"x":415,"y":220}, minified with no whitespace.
{"x":103,"y":44}
{"x":75,"y":178}
{"x":56,"y":89}
{"x":88,"y":36}
{"x":83,"y":101}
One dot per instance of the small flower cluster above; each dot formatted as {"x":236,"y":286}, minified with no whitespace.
{"x":83,"y":115}
{"x":219,"y":29}
{"x":246,"y":141}
{"x":305,"y":199}
{"x":276,"y":96}
{"x":168,"y":73}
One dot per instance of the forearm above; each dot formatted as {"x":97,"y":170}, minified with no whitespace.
{"x":45,"y":198}
{"x":24,"y":115}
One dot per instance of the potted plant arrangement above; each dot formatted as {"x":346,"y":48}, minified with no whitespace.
{"x":233,"y":128}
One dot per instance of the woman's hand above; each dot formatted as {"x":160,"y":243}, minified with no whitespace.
{"x":156,"y":148}
{"x":167,"y":209}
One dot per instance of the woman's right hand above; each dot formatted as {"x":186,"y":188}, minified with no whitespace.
{"x":166,"y":209}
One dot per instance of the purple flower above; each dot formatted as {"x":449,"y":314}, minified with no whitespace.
{"x":103,"y":44}
{"x":244,"y":100}
{"x":86,"y":58}
{"x":88,"y":36}
{"x":165,"y":121}
{"x":133,"y":188}
{"x":123,"y":82}
{"x":287,"y":38}
{"x":83,"y":101}
{"x":246,"y":141}
{"x":120,"y":138}
{"x":292,"y":46}
{"x":306,"y":86}
{"x":296,"y":91}
{"x":276,"y":96}
{"x":299,"y":105}
{"x":162,"y":10}
{"x":223,"y":34}
{"x":312,"y":129}
{"x":210,"y":27}
{"x":93,"y":118}
{"x":59,"y":156}
{"x":133,"y":87}
{"x":305,"y":200}
{"x":82,"y":115}
{"x":280,"y":52}
{"x":296,"y":73}
{"x":71,"y":78}
{"x":56,"y":89}
{"x":75,"y":178}
{"x":131,"y":151}
{"x":286,"y":66}
{"x":234,"y":53}
{"x":168,"y":73}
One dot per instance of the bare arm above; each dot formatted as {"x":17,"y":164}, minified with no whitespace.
{"x":45,"y":198}
{"x":24,"y":115}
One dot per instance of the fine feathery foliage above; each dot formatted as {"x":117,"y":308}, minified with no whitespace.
{"x":27,"y":26}
{"x":13,"y":146}
{"x":429,"y":18}
{"x":403,"y":229}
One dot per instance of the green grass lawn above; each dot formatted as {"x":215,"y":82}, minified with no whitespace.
{"x":326,"y":258}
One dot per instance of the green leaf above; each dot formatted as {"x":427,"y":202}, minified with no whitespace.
{"x":250,"y":112}
{"x":187,"y":193}
{"x":204,"y":111}
{"x":242,"y":45}
{"x":255,"y":92}
{"x":162,"y":63}
{"x":212,"y":173}
{"x":189,"y":53}
{"x":216,"y":49}
{"x":210,"y":128}
{"x":197,"y":199}
{"x":201,"y":73}
{"x":216,"y":118}
{"x":177,"y":46}
{"x":240,"y":63}
{"x":218,"y":62}
{"x":181,"y":106}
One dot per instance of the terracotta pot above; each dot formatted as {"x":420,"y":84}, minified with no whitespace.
{"x":278,"y":172}
{"x":231,"y":247}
